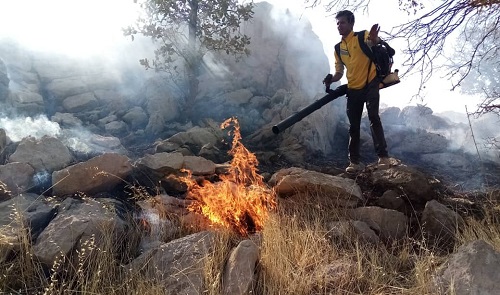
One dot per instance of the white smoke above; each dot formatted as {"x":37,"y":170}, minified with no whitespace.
{"x":19,"y":128}
{"x":77,"y":138}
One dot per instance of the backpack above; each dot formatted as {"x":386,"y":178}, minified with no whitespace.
{"x":381,"y":55}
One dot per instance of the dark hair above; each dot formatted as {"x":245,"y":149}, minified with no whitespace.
{"x":349,"y":15}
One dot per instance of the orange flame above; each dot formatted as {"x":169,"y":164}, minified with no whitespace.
{"x":240,"y":201}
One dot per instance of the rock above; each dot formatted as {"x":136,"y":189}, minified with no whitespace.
{"x":421,"y":117}
{"x":45,"y":155}
{"x":422,"y":142}
{"x":211,"y":152}
{"x":26,"y":209}
{"x":106,"y":142}
{"x":391,"y":200}
{"x":178,"y":265}
{"x":440,"y":224}
{"x":237,"y":98}
{"x":116,"y":128}
{"x":18,"y":177}
{"x":292,"y":151}
{"x":161,"y":106}
{"x":335,"y":274}
{"x":77,"y":222}
{"x":66,"y":120}
{"x":390,"y":116}
{"x":240,"y":269}
{"x":417,"y":186}
{"x":343,"y":191}
{"x":195,"y":138}
{"x":104,"y":80}
{"x":5,"y":193}
{"x":22,"y":215}
{"x":161,"y":169}
{"x":199,"y":165}
{"x":341,"y":231}
{"x":99,"y":174}
{"x":83,"y":102}
{"x":136,"y":118}
{"x":392,"y":225}
{"x":161,"y":162}
{"x":62,"y":88}
{"x":471,"y":270}
{"x":27,"y":102}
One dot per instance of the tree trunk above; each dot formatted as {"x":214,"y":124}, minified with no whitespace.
{"x":193,"y":64}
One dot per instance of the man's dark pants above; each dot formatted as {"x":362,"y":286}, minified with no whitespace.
{"x":355,"y":103}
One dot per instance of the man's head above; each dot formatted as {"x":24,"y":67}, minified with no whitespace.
{"x":345,"y":22}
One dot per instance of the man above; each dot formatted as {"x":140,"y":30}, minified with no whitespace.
{"x":363,"y":87}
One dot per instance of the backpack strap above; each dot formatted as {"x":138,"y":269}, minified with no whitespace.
{"x":366,"y":50}
{"x":362,"y":44}
{"x":337,"y":50}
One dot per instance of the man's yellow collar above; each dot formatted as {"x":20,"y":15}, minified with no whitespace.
{"x":349,"y":37}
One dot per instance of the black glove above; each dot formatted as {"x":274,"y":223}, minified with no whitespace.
{"x":327,"y":81}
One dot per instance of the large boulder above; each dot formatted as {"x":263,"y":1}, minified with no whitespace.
{"x":163,"y":169}
{"x":160,"y":104}
{"x":77,"y":222}
{"x":343,"y":191}
{"x":422,"y":117}
{"x":471,"y":270}
{"x":99,"y":174}
{"x":193,"y":139}
{"x":390,"y":224}
{"x":80,"y":103}
{"x":61,"y":88}
{"x":27,"y":102}
{"x":416,"y":185}
{"x":136,"y":118}
{"x":23,"y":216}
{"x":18,"y":177}
{"x":240,"y":269}
{"x":178,"y":265}
{"x":421,"y":142}
{"x":44,"y":155}
{"x":440,"y":224}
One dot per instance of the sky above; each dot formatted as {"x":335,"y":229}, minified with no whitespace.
{"x":94,"y":27}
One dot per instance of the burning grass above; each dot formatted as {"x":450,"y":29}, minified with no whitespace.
{"x":241,"y":200}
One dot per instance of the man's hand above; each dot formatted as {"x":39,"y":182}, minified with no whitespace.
{"x":328,"y":80}
{"x":373,"y":35}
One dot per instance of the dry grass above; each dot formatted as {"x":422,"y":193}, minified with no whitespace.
{"x":296,"y":257}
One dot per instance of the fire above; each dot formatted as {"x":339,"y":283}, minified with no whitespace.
{"x":240,"y":200}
